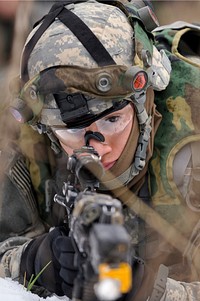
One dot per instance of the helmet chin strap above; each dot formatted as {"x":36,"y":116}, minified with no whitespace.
{"x":141,"y":151}
{"x":93,"y":135}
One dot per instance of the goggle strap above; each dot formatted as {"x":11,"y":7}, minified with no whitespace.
{"x":47,"y":21}
{"x":86,"y":37}
{"x":74,"y":23}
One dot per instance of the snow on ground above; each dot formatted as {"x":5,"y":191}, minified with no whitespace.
{"x":13,"y":291}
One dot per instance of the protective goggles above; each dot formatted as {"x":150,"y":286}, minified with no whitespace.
{"x":110,"y":125}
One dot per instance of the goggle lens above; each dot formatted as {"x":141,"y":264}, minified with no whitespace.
{"x":111,"y":124}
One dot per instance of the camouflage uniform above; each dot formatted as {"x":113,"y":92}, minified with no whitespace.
{"x":25,"y":166}
{"x":13,"y":247}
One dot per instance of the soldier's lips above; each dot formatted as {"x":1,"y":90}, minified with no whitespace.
{"x":108,"y":165}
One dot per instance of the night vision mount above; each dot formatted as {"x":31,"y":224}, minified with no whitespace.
{"x":109,"y":82}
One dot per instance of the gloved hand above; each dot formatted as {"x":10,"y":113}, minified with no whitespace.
{"x":59,"y":276}
{"x":56,"y":247}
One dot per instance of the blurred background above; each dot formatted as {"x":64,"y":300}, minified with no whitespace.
{"x":170,"y":11}
{"x":16,"y":21}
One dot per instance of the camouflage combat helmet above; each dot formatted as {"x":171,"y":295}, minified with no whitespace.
{"x":87,"y":59}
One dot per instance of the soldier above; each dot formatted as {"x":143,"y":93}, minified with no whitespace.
{"x":91,"y":74}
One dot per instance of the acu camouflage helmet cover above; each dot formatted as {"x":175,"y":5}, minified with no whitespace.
{"x":123,"y":39}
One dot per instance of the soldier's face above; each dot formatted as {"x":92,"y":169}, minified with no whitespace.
{"x":115,"y":128}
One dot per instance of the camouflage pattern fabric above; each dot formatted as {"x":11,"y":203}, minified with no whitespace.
{"x":179,"y":105}
{"x":24,"y":171}
{"x":110,"y":26}
{"x":25,"y":167}
{"x":11,"y":251}
{"x":56,"y":40}
{"x":40,"y":160}
{"x":176,"y":291}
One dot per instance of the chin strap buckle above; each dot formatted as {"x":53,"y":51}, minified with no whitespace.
{"x":143,"y":142}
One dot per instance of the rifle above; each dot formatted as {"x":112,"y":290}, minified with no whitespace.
{"x":102,"y":245}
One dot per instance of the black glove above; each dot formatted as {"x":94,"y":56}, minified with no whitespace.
{"x":56,"y":247}
{"x":59,"y":276}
